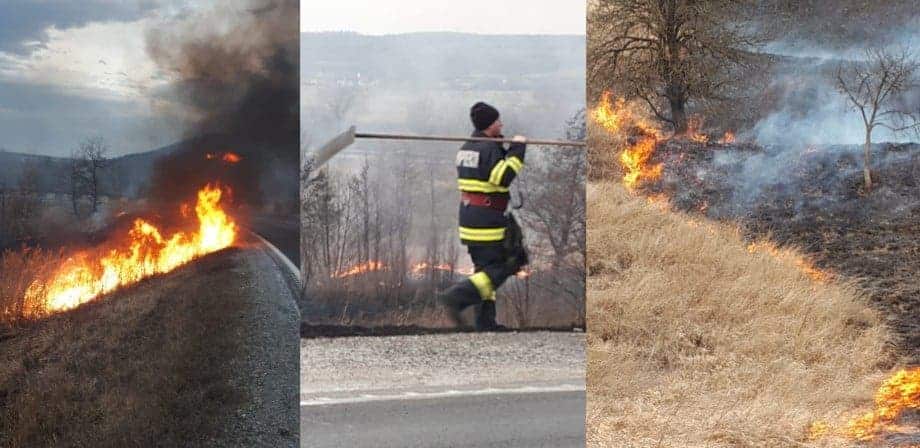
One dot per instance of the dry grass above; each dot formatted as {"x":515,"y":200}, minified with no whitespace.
{"x":145,"y":366}
{"x":17,"y":271}
{"x":695,"y":342}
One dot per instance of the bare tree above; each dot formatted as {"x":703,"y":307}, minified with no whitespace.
{"x":875,"y":87}
{"x":94,"y":152}
{"x":554,"y":217}
{"x":671,"y":52}
{"x":77,"y":180}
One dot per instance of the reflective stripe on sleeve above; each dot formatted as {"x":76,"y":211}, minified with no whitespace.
{"x":515,"y":163}
{"x":495,"y":177}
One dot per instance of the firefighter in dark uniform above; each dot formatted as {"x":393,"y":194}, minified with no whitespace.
{"x":485,"y":171}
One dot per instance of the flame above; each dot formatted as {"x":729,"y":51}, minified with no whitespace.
{"x":728,"y":138}
{"x":694,"y":124}
{"x":523,"y":273}
{"x":807,"y":268}
{"x":230,"y":157}
{"x":143,"y":253}
{"x":361,"y":268}
{"x":617,"y":118}
{"x":418,"y":268}
{"x":898,"y":393}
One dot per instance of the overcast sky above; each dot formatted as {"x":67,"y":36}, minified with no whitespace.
{"x":473,"y":16}
{"x":72,"y":70}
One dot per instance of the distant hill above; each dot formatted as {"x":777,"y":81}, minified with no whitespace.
{"x":125,"y":176}
{"x":457,"y":59}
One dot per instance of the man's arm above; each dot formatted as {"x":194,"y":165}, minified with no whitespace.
{"x":508,"y":165}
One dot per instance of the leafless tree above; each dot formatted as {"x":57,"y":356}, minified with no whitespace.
{"x":554,"y":215}
{"x":94,"y":151}
{"x":77,"y":180}
{"x":875,"y":88}
{"x":669,"y":53}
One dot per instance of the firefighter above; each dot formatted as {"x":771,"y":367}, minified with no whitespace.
{"x":485,"y":171}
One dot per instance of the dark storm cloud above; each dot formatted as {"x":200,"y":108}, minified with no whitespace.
{"x":24,"y":21}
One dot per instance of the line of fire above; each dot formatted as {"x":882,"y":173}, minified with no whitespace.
{"x":382,"y":248}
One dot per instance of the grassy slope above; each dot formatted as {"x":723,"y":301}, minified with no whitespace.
{"x":141,"y":368}
{"x":694,"y":341}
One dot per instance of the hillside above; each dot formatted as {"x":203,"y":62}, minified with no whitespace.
{"x":448,"y":59}
{"x":697,"y":341}
{"x":203,"y":356}
{"x":125,"y":175}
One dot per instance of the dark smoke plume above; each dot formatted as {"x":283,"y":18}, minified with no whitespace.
{"x":236,"y":73}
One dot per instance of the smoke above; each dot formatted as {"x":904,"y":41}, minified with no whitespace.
{"x":235,"y":75}
{"x":809,"y":136}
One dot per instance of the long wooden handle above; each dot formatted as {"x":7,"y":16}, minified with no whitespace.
{"x":464,"y":139}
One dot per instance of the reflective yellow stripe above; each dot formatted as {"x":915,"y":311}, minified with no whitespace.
{"x":493,"y":234}
{"x":483,"y":284}
{"x":515,"y":163}
{"x":479,"y":186}
{"x":501,"y":167}
{"x":494,"y":176}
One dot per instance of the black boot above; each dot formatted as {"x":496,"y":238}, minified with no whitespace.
{"x":456,"y":298}
{"x":485,"y":318}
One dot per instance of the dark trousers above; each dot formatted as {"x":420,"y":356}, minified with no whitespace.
{"x":500,"y":261}
{"x":497,"y":262}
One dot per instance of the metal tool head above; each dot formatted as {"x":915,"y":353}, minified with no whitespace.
{"x":316,"y":159}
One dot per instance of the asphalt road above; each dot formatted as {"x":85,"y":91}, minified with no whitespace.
{"x":444,"y":390}
{"x":486,"y":419}
{"x":283,"y":233}
{"x":266,"y":367}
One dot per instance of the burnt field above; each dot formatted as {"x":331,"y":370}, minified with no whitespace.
{"x":814,"y":198}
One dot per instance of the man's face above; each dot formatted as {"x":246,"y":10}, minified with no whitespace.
{"x":494,"y":130}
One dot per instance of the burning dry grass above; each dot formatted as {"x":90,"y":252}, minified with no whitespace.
{"x":147,"y":368}
{"x":17,"y":271}
{"x":696,"y":341}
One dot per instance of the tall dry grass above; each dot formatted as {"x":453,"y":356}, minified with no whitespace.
{"x":695,"y":342}
{"x":18,"y":269}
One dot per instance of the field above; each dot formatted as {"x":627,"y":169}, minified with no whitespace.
{"x":196,"y":357}
{"x":696,"y":341}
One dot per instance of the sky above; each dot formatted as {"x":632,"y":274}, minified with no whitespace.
{"x":73,"y":70}
{"x":471,"y":16}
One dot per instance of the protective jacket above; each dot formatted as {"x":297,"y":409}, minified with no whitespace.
{"x":485,"y":171}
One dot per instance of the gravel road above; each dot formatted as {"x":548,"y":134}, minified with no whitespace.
{"x":334,"y":365}
{"x":463,"y":389}
{"x":268,"y":366}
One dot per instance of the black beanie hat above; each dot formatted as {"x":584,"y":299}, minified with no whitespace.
{"x":483,"y":115}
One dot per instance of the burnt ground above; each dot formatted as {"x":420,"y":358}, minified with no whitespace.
{"x":814,"y":198}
